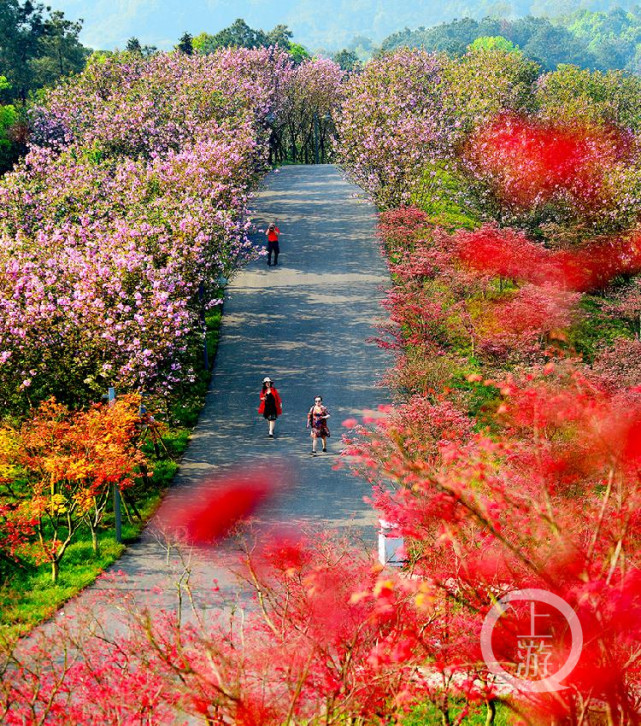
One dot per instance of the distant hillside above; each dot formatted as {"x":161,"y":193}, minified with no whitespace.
{"x":330,"y":24}
{"x":595,"y":40}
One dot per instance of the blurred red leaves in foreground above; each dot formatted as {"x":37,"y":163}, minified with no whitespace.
{"x":211,"y":511}
{"x":530,"y":161}
{"x":330,"y":633}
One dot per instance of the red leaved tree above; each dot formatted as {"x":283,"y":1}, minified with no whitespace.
{"x":551,"y":501}
{"x":529,"y":163}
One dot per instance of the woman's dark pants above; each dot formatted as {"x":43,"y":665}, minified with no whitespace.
{"x":272,"y":247}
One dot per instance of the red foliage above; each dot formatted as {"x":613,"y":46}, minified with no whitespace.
{"x":401,"y":228}
{"x":505,"y":252}
{"x":550,"y":498}
{"x":530,"y":161}
{"x":16,"y":531}
{"x":217,"y":505}
{"x":83,"y":679}
{"x":551,"y":501}
{"x":331,"y":635}
{"x":525,"y":317}
{"x":349,"y":423}
{"x":510,"y":254}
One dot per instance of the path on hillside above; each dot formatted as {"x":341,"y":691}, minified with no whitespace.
{"x":305,"y":323}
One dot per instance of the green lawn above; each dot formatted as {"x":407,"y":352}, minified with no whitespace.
{"x":429,"y":715}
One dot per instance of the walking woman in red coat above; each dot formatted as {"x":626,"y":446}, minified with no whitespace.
{"x":270,"y":404}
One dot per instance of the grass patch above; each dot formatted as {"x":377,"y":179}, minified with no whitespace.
{"x":428,"y":714}
{"x":185,"y":411}
{"x":29,"y":599}
{"x":28,"y":596}
{"x":596,"y":329}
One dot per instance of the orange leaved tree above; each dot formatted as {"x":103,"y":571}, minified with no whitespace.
{"x":70,"y":460}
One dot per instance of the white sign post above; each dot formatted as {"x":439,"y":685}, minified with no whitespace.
{"x":389,"y":544}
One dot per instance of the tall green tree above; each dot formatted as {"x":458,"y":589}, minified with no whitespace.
{"x":9,"y":119}
{"x":134,"y":46}
{"x":185,"y":44}
{"x":60,"y":51}
{"x":240,"y":35}
{"x":346,"y":59}
{"x":37,"y":47}
{"x":204,"y":43}
{"x":22,"y":25}
{"x":298,"y":53}
{"x":279,"y":35}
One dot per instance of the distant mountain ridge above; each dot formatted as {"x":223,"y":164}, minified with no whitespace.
{"x":330,"y":24}
{"x":594,"y":40}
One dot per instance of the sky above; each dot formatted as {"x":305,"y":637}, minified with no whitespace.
{"x":108,"y":24}
{"x":329,"y":24}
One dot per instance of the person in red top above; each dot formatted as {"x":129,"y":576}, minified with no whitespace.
{"x":272,"y":243}
{"x":271,"y":405}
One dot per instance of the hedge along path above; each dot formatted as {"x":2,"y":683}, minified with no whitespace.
{"x":306,"y":323}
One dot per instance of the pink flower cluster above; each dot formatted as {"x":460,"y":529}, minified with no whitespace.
{"x":129,"y":208}
{"x":393,"y":123}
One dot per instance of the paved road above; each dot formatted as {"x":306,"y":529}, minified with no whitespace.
{"x":306,"y":323}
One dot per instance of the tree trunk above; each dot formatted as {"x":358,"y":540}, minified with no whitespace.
{"x":55,"y":571}
{"x":94,"y":541}
{"x":491,"y":713}
{"x":127,"y":500}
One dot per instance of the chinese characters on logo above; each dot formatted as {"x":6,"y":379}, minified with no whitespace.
{"x":534,"y":649}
